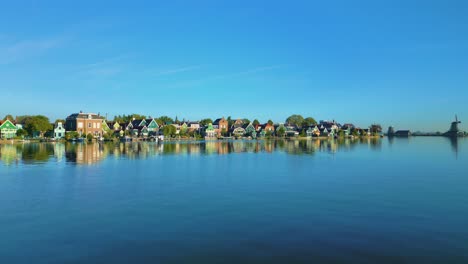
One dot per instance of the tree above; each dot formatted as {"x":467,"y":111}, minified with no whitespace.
{"x":71,"y":135}
{"x":341,"y":133}
{"x":303,"y":133}
{"x":375,"y":129}
{"x":230,"y":121}
{"x":169,"y":130}
{"x":246,"y":121}
{"x":281,"y":131}
{"x":9,"y":117}
{"x":206,"y":121}
{"x":59,"y":120}
{"x":37,"y":123}
{"x":270,"y":122}
{"x":21,"y":133}
{"x":224,"y":132}
{"x":297,"y":120}
{"x":89,"y":137}
{"x":255,"y":123}
{"x":165,"y":120}
{"x":309,"y":121}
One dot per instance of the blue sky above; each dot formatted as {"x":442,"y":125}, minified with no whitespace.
{"x":401,"y":63}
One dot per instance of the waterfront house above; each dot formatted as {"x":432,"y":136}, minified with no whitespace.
{"x":268,"y":127}
{"x":238,"y":131}
{"x":117,"y":128}
{"x":324,"y":131}
{"x":237,"y":123}
{"x":250,"y":130}
{"x":210,"y":132}
{"x":292,"y":130}
{"x":84,"y":124}
{"x":59,"y":131}
{"x":143,"y":127}
{"x":221,"y":125}
{"x":105,"y":128}
{"x":7,"y":129}
{"x":313,"y":131}
{"x":194,"y":126}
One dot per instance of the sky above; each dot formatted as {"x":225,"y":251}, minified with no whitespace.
{"x":400,"y":63}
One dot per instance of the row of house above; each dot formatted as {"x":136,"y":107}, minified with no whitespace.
{"x":98,"y":126}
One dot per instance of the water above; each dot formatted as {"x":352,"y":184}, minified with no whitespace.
{"x":368,"y":201}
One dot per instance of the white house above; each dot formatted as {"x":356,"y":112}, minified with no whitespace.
{"x":59,"y":131}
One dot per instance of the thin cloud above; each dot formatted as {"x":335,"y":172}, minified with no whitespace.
{"x":231,"y":75}
{"x":104,"y":68}
{"x":178,"y":70}
{"x":22,"y":50}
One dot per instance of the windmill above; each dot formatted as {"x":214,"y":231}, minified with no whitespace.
{"x":453,"y":131}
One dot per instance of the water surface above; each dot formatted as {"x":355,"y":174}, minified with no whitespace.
{"x":361,"y":201}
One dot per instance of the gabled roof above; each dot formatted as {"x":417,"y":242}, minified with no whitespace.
{"x":7,"y":123}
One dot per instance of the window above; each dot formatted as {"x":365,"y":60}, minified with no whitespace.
{"x":98,"y":125}
{"x":89,"y":125}
{"x":80,"y":124}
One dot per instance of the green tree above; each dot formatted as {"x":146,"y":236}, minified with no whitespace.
{"x":169,"y":130}
{"x":297,"y":120}
{"x":59,"y":120}
{"x":89,"y":137}
{"x":375,"y":129}
{"x":165,"y":120}
{"x":71,"y":135}
{"x":341,"y":133}
{"x":206,"y":121}
{"x":246,"y":121}
{"x":303,"y":133}
{"x":224,"y":132}
{"x":9,"y":117}
{"x":270,"y":122}
{"x":21,"y":133}
{"x":255,"y":122}
{"x":38,"y":123}
{"x":281,"y":131}
{"x":309,"y":121}
{"x":230,"y":121}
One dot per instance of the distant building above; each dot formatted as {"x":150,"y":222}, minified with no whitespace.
{"x":402,"y":133}
{"x":85,"y":123}
{"x":390,"y":131}
{"x":59,"y":131}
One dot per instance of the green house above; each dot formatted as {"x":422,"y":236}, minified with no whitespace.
{"x":105,"y":127}
{"x":210,"y":132}
{"x":7,"y":130}
{"x":152,"y":125}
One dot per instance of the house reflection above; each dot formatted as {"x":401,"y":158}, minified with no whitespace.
{"x":85,"y":153}
{"x":92,"y":153}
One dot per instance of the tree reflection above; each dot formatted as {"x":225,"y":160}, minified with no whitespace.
{"x":91,"y":153}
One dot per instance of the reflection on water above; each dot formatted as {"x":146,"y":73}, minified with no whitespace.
{"x":83,"y":153}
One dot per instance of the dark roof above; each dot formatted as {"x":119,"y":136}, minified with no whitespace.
{"x":84,"y":115}
{"x":216,"y":122}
